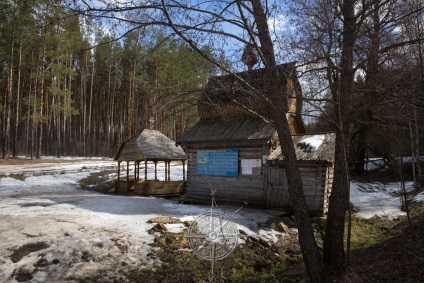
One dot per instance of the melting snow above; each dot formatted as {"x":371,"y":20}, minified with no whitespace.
{"x":312,"y":143}
{"x":378,"y":199}
{"x":88,"y":232}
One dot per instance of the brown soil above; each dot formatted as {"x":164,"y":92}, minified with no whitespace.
{"x":26,"y":249}
{"x":99,"y":182}
{"x":254,"y":261}
{"x":397,"y":259}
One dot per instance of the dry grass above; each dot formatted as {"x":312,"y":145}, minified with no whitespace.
{"x":399,"y":258}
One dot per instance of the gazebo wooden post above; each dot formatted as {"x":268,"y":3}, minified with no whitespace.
{"x":145,"y":169}
{"x":156,"y":170}
{"x":135,"y":172}
{"x":183,"y":169}
{"x":169,"y":170}
{"x":128,"y":174}
{"x":119,"y":171}
{"x":166,"y":170}
{"x":138,"y":170}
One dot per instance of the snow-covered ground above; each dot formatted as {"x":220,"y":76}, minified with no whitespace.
{"x":379,"y":199}
{"x":87,"y":232}
{"x":81,"y":232}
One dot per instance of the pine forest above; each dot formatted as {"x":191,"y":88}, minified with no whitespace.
{"x":67,"y":88}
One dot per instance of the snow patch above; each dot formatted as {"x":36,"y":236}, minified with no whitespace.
{"x":378,"y":199}
{"x":312,"y":143}
{"x":175,"y":227}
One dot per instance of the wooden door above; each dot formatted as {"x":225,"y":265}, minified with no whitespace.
{"x":314,"y":182}
{"x":276,"y":187}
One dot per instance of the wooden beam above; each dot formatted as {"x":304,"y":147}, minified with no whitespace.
{"x":166,"y":171}
{"x":156,"y":170}
{"x":183,"y":161}
{"x":169,"y":170}
{"x":138,"y":170}
{"x":136,"y":164}
{"x":135,"y":171}
{"x":145,"y":169}
{"x":128,"y":173}
{"x":119,"y":171}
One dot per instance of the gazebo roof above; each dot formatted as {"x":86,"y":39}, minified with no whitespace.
{"x":150,"y":145}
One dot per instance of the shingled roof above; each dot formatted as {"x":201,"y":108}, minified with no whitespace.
{"x":317,"y":147}
{"x":150,"y":145}
{"x":217,"y":100}
{"x":249,"y":129}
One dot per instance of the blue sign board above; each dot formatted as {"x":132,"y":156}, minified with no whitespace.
{"x":218,"y":162}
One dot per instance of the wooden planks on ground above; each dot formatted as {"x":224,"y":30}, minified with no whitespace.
{"x":159,"y":188}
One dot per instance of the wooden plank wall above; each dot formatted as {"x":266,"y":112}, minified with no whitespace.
{"x":328,"y":185}
{"x":151,"y":188}
{"x":244,"y":188}
{"x":315,"y":179}
{"x":159,"y":188}
{"x":123,"y":187}
{"x":268,"y":188}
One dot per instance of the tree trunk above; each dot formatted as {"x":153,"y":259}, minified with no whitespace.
{"x":18,"y":102}
{"x":310,"y":251}
{"x":83,"y":103}
{"x":109,"y":111}
{"x":41,"y":97}
{"x":90,"y":110}
{"x":334,"y":255}
{"x":371,"y":84}
{"x":411,"y":124}
{"x":29,"y":122}
{"x":417,"y":133}
{"x":8,"y":101}
{"x":33,"y":114}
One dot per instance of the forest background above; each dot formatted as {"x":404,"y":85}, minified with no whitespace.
{"x":67,"y":87}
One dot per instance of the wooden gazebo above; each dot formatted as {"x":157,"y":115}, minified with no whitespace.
{"x":150,"y":145}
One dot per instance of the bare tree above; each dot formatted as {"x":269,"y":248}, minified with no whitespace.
{"x":337,"y":40}
{"x":333,"y":32}
{"x":277,"y":118}
{"x":199,"y":25}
